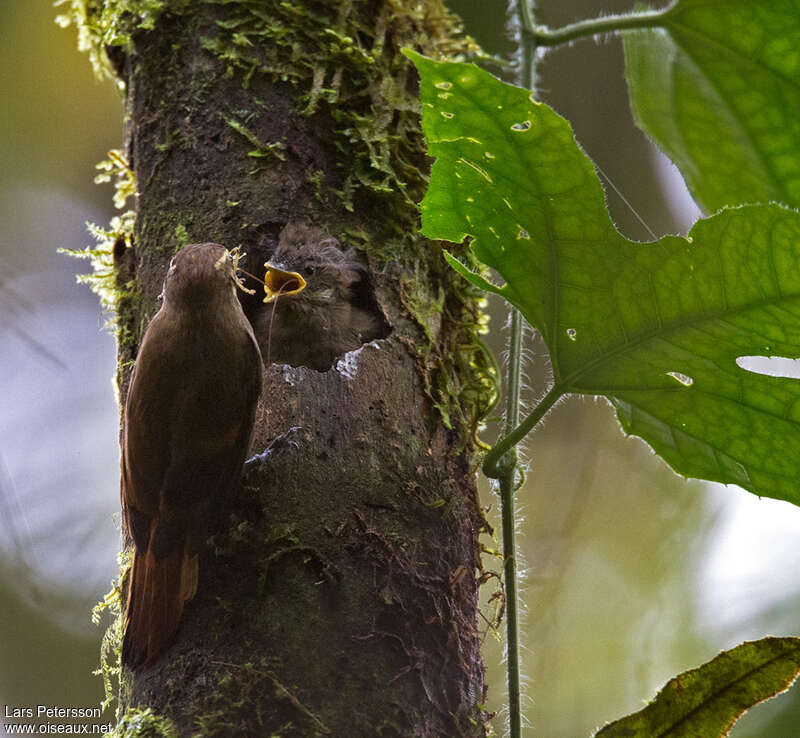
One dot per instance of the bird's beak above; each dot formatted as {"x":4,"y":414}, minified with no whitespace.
{"x":278,"y":283}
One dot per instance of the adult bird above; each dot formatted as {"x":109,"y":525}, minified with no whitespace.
{"x":319,"y":305}
{"x":186,"y":431}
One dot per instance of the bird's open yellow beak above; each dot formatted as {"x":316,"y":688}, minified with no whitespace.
{"x":278,"y":283}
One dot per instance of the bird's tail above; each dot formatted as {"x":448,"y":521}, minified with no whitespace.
{"x":156,"y":595}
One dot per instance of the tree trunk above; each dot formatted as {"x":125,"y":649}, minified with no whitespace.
{"x":341,"y":597}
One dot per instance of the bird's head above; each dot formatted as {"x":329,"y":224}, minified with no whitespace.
{"x":310,"y":270}
{"x":200,"y":273}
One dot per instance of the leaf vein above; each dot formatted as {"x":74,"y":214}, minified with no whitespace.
{"x":741,"y":120}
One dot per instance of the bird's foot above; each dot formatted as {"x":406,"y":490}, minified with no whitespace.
{"x":279,"y":443}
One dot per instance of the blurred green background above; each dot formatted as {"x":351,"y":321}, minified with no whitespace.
{"x":631,"y":573}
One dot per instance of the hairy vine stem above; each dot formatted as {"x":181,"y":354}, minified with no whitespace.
{"x":505,"y":464}
{"x":507,"y":480}
{"x":544,"y":36}
{"x":493,"y":463}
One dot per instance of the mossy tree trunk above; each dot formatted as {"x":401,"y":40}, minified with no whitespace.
{"x":341,"y":598}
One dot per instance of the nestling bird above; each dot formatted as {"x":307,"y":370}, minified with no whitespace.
{"x":186,"y":431}
{"x":316,"y":309}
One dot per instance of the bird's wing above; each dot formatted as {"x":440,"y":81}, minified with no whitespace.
{"x":206,"y":466}
{"x":145,"y":442}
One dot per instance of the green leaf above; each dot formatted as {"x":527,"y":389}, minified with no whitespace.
{"x":719,"y":91}
{"x":707,"y":701}
{"x":657,"y":328}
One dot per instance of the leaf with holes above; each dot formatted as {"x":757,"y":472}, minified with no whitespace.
{"x":707,"y":701}
{"x":658,"y":327}
{"x":718,"y":88}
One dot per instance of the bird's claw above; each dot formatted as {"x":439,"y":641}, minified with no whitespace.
{"x":278,"y":444}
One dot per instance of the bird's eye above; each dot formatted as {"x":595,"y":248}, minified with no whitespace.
{"x":308,"y":270}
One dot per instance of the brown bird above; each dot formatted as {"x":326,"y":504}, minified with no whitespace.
{"x":188,"y":419}
{"x":320,"y":307}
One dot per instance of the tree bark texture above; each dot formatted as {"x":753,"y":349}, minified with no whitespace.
{"x":341,"y":597}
